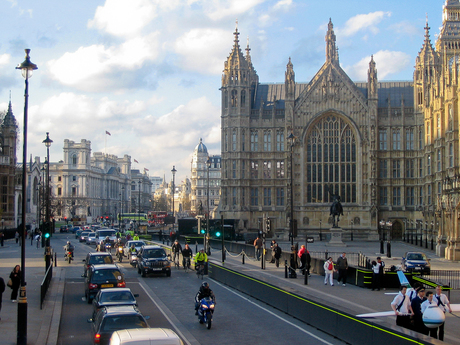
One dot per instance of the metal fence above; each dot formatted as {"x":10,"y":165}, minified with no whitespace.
{"x":45,"y":284}
{"x":443,"y":277}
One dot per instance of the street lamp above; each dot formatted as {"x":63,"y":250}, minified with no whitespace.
{"x":48,"y":143}
{"x":426,"y":234}
{"x":26,"y":68}
{"x":351,"y":223}
{"x":431,"y":233}
{"x":382,"y":225}
{"x":139,"y":207}
{"x":122,"y":196}
{"x":320,"y":233}
{"x":291,"y":141}
{"x":389,"y":225}
{"x":208,"y":249}
{"x":173,"y":171}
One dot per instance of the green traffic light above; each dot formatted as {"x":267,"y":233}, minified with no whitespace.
{"x":203,"y":231}
{"x":47,"y":235}
{"x":217,"y":234}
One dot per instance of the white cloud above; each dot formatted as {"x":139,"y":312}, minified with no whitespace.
{"x":366,"y":22}
{"x":388,"y":62}
{"x":5,"y":59}
{"x":201,"y":50}
{"x":405,"y":28}
{"x":124,"y":18}
{"x":218,"y":9}
{"x":282,"y":5}
{"x":90,"y":68}
{"x":265,"y":20}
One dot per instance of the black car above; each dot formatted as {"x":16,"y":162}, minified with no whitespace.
{"x":102,"y":277}
{"x":96,"y":259}
{"x":113,"y":297}
{"x":111,"y":319}
{"x":153,"y":259}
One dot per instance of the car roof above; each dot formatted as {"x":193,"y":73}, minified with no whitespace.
{"x":106,"y":267}
{"x":99,"y":253}
{"x":121,"y":309}
{"x":156,"y":334}
{"x":115,"y":290}
{"x":152,"y":247}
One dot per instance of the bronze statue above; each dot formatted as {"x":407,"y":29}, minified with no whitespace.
{"x":336,"y":210}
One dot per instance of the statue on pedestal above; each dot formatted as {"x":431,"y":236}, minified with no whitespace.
{"x":336,"y":210}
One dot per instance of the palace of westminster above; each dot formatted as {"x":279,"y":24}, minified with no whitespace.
{"x":390,"y":150}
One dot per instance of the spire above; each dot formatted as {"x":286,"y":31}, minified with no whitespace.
{"x":9,"y":119}
{"x":289,"y":81}
{"x":248,"y":57}
{"x":236,"y":40}
{"x":372,"y":79}
{"x":331,"y":50}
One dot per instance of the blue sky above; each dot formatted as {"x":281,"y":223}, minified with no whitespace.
{"x":149,"y":71}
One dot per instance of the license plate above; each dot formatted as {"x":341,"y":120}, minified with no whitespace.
{"x":156,"y":269}
{"x":418,"y":268}
{"x":106,"y":285}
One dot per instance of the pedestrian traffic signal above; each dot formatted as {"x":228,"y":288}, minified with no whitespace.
{"x":268,"y":225}
{"x":218,"y":234}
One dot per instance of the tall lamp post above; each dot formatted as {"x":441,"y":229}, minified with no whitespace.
{"x":122,"y":196}
{"x":389,"y":226}
{"x":173,"y":171}
{"x":426,"y":235}
{"x":351,"y":223}
{"x":320,"y":232}
{"x":48,"y":143}
{"x":382,"y":225}
{"x":26,"y":68}
{"x":291,"y":141}
{"x":208,"y":249}
{"x":139,"y":207}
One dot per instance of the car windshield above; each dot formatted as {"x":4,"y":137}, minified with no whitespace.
{"x":114,"y":323}
{"x":103,"y":275}
{"x":136,"y":244}
{"x":105,"y":233}
{"x":115,"y":296}
{"x":154,"y":253}
{"x":84,"y":233}
{"x":91,"y":235}
{"x":416,"y":256}
{"x":100,"y":259}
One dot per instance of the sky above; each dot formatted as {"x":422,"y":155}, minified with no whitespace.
{"x":149,"y":71}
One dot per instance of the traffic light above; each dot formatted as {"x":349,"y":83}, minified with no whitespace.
{"x":201,"y":227}
{"x":268,"y":225}
{"x":66,"y":221}
{"x":47,"y":232}
{"x":294,"y":228}
{"x":218,"y":234}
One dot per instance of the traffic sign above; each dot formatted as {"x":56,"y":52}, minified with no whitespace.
{"x":310,"y":240}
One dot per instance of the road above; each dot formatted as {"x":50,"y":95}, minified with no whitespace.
{"x":170,"y":303}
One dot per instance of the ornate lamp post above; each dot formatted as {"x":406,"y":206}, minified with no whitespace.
{"x":291,"y":141}
{"x":139,"y":206}
{"x":207,"y":248}
{"x":320,"y":233}
{"x":389,"y":224}
{"x":426,"y":234}
{"x":122,"y":197}
{"x":351,"y":223}
{"x":382,"y":225}
{"x":48,"y":143}
{"x":431,"y":233}
{"x":26,"y":68}
{"x":173,"y":171}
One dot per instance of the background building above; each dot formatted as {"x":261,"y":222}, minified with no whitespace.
{"x":141,"y":191}
{"x":200,"y":179}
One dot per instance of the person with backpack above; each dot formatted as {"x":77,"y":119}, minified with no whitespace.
{"x":278,"y":251}
{"x":329,"y":271}
{"x":402,"y":307}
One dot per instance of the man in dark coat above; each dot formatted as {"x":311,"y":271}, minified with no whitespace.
{"x":2,"y":290}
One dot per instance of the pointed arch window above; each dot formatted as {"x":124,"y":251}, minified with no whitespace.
{"x":438,"y":126}
{"x":451,"y":155}
{"x":243,"y":143}
{"x":450,"y":123}
{"x":267,"y":140}
{"x":234,"y":140}
{"x":280,"y":141}
{"x":234,"y":98}
{"x":396,"y":139}
{"x":243,"y":98}
{"x":331,"y":154}
{"x":74,"y":159}
{"x":254,"y":141}
{"x":225,"y":99}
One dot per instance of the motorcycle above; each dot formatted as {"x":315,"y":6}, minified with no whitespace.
{"x":108,"y":247}
{"x":205,"y":311}
{"x":133,"y":259}
{"x":68,"y":256}
{"x":120,"y":253}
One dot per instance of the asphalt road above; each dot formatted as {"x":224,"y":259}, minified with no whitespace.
{"x":170,"y":303}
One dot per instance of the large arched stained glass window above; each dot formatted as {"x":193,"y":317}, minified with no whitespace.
{"x":331,"y":160}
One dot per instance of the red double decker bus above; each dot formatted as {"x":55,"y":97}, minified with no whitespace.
{"x":156,"y":218}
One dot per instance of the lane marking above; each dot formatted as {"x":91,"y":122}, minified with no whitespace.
{"x":275,"y":315}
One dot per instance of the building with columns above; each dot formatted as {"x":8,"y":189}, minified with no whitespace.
{"x":202,"y":165}
{"x":87,"y":187}
{"x":390,"y":150}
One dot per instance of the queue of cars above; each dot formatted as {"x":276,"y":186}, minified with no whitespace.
{"x":116,"y":318}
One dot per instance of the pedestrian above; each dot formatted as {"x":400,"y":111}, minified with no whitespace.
{"x":416,"y":305}
{"x":16,"y":236}
{"x":37,"y":239}
{"x":429,"y":301}
{"x":377,"y":273}
{"x":342,"y":266}
{"x":2,"y":290}
{"x":328,"y":271}
{"x":278,"y":252}
{"x":160,"y":235}
{"x":442,"y":302}
{"x":258,"y":247}
{"x":412,"y":293}
{"x":2,"y":238}
{"x":302,"y":257}
{"x":308,"y":262}
{"x":402,"y":308}
{"x":272,"y":247}
{"x":15,"y":277}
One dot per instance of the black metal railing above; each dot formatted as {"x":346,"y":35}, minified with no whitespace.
{"x":45,"y":284}
{"x":444,"y":277}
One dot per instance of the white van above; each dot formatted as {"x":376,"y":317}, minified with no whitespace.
{"x":145,"y":336}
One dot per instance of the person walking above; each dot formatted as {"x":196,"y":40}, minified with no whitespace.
{"x":402,"y":308}
{"x":258,"y":247}
{"x":329,"y":271}
{"x":15,"y":277}
{"x":429,"y":301}
{"x":278,"y":252}
{"x":272,"y":247}
{"x":442,"y":302}
{"x":2,"y":238}
{"x":16,"y":237}
{"x":377,"y":273}
{"x":2,"y":290}
{"x":342,"y":266}
{"x":416,"y":305}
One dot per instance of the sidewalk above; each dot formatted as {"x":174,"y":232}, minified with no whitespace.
{"x":42,"y":325}
{"x":351,"y":299}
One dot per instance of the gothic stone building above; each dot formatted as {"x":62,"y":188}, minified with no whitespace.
{"x":389,"y":149}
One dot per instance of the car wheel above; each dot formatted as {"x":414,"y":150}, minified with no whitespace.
{"x":138,"y":270}
{"x":168,"y":274}
{"x":143,"y":274}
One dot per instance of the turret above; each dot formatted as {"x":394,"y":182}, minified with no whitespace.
{"x":372,"y":80}
{"x":332,"y":55}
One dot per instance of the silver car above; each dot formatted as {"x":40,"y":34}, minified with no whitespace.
{"x":91,"y":239}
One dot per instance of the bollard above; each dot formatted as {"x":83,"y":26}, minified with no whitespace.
{"x":242,"y":258}
{"x":326,"y":257}
{"x":285,"y":269}
{"x":305,"y":280}
{"x":196,"y":246}
{"x":55,"y":259}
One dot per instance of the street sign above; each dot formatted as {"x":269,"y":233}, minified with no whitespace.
{"x":310,"y":240}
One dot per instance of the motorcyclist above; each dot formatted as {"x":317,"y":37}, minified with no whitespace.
{"x":118,"y":246}
{"x":135,"y":237}
{"x":187,"y":254}
{"x":133,"y":249}
{"x":176,"y":248}
{"x":204,"y":291}
{"x":69,"y":248}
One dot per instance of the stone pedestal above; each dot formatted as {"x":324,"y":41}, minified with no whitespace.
{"x":336,"y":237}
{"x":441,"y":250}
